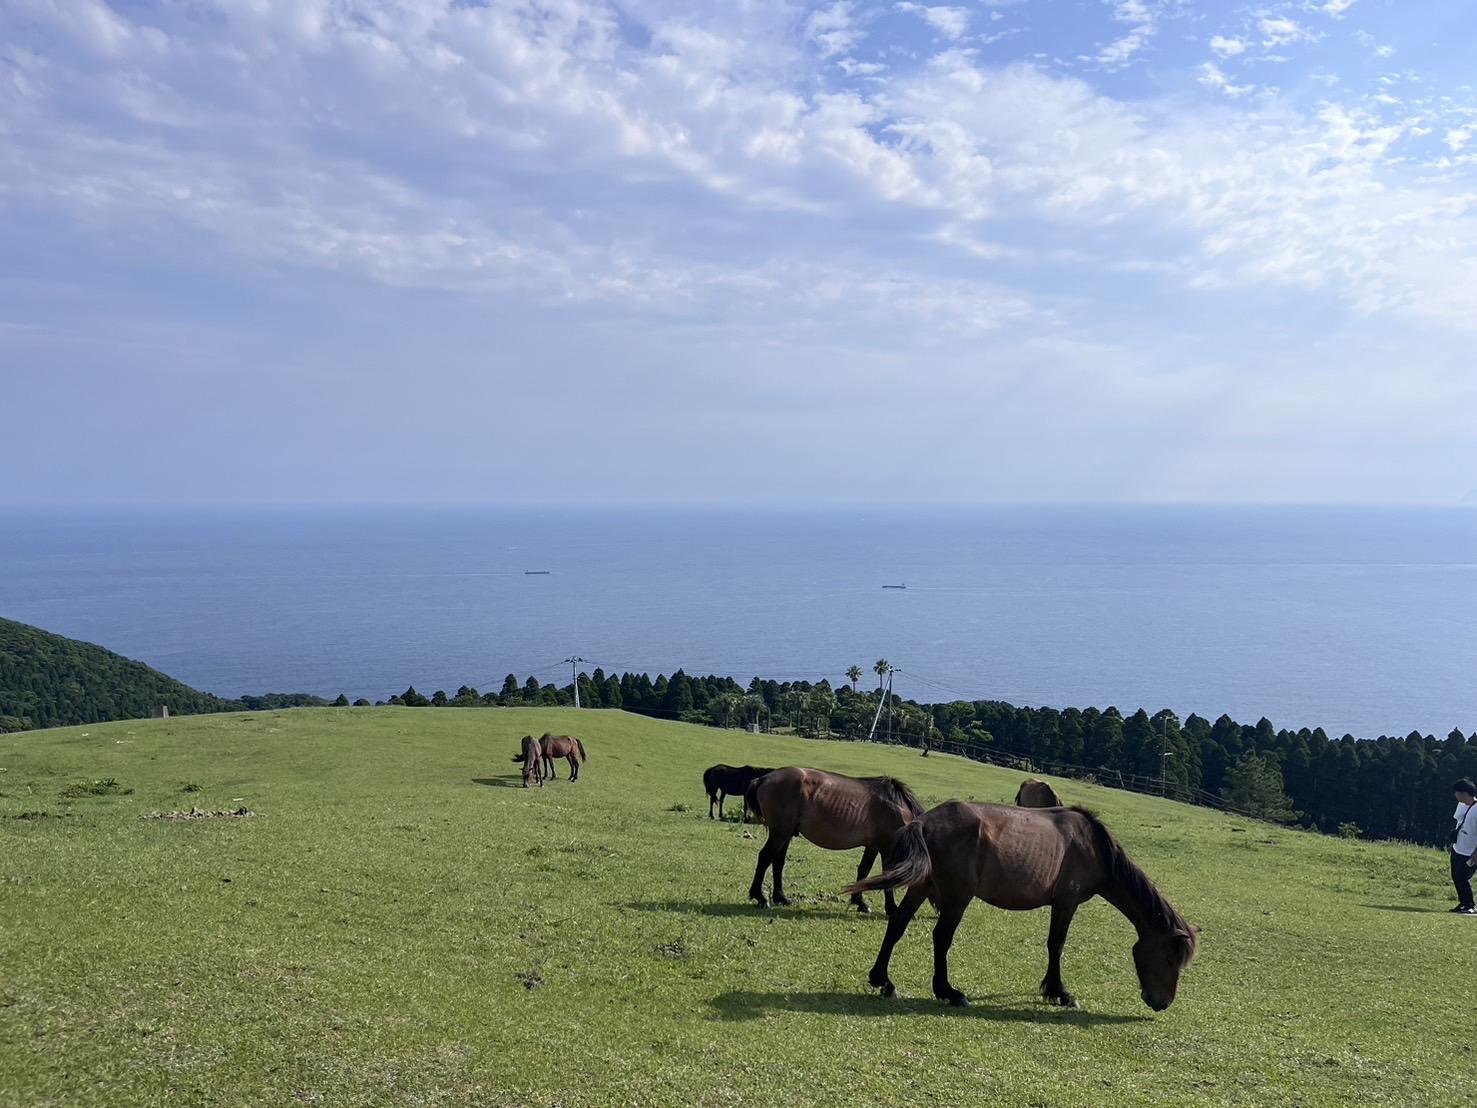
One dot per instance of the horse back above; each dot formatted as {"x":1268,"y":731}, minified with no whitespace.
{"x":832,"y":810}
{"x":1031,"y":857}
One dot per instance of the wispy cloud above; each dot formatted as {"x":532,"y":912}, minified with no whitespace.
{"x":951,"y":22}
{"x":1210,"y":74}
{"x":718,"y":180}
{"x":1143,"y":18}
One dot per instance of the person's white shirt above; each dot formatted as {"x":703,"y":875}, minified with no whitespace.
{"x":1465,"y":819}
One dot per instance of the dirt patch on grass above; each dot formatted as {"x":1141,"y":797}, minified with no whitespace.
{"x":201,"y":813}
{"x":36,"y":817}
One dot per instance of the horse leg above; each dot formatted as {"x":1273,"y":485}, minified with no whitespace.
{"x":1051,"y":985}
{"x":780,"y":851}
{"x":943,"y":937}
{"x":722,"y":796}
{"x":549,"y":767}
{"x":756,"y":890}
{"x":574,"y":769}
{"x":712,"y":799}
{"x":869,"y":855}
{"x":897,"y":923}
{"x":888,"y":902}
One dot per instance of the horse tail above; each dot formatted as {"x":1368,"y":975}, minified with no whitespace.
{"x":910,"y":863}
{"x":751,"y":798}
{"x":581,"y":748}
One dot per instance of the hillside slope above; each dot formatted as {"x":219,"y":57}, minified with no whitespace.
{"x":399,"y":923}
{"x":48,"y":680}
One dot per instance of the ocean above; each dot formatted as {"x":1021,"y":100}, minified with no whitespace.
{"x":1354,"y":619}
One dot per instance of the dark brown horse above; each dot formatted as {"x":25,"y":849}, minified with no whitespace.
{"x":832,"y":811}
{"x":722,"y":781}
{"x":531,"y":756}
{"x":1036,"y":794}
{"x":1022,"y":858}
{"x":562,"y":746}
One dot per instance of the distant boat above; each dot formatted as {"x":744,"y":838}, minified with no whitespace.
{"x":894,"y":586}
{"x":535,"y":573}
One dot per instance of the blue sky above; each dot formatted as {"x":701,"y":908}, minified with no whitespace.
{"x":300,"y":250}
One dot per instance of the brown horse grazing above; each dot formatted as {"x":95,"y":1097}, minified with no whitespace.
{"x":1036,"y":794}
{"x":1022,"y":858}
{"x":532,"y":758}
{"x":832,"y":811}
{"x":562,"y":746}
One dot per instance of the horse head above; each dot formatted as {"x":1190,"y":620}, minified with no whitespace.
{"x":1160,"y":958}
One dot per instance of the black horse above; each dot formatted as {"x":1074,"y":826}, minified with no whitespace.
{"x":724,"y":781}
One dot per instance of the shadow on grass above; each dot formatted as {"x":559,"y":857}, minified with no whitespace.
{"x":1405,"y":908}
{"x":737,"y":1006}
{"x":727,"y":909}
{"x":512,"y":781}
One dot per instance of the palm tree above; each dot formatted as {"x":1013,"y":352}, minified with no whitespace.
{"x":882,"y":668}
{"x":854,"y":674}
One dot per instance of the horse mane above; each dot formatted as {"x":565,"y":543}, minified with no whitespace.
{"x":899,"y":794}
{"x":1158,"y":913}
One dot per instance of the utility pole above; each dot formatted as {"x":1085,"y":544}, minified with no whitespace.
{"x":574,"y":674}
{"x":886,"y":691}
{"x":889,"y":704}
{"x":1164,"y":754}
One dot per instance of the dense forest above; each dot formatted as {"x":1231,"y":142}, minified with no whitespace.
{"x":1388,"y":787}
{"x":48,"y":680}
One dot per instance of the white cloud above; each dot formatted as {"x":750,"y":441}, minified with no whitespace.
{"x":832,"y":30}
{"x":1227,"y":47}
{"x":1281,"y":31}
{"x":1211,"y":74}
{"x":951,"y":22}
{"x":379,"y":141}
{"x":1145,"y":24}
{"x":1337,"y":8}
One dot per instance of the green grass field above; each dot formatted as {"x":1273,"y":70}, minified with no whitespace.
{"x":396,"y":924}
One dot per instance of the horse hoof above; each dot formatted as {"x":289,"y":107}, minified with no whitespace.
{"x":783,"y":901}
{"x":888,"y":990}
{"x":864,"y":909}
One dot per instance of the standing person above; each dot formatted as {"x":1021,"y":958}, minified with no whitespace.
{"x":1464,"y":844}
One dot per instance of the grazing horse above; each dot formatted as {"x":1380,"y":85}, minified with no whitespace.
{"x":562,"y":746}
{"x":1023,"y":858}
{"x":722,"y":781}
{"x":1036,"y":794}
{"x":832,"y":811}
{"x":532,"y":758}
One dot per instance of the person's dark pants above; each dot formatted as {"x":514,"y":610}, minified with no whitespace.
{"x":1461,"y":877}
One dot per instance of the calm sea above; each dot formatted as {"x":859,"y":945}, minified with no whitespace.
{"x":1354,"y":619}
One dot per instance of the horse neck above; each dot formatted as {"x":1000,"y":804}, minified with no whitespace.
{"x":1129,"y":889}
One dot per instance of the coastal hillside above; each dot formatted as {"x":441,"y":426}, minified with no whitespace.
{"x":49,"y":680}
{"x":363,"y":907}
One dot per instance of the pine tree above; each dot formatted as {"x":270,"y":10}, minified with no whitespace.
{"x":1254,"y":786}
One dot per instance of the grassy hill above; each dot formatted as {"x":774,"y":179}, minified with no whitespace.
{"x":398,"y":924}
{"x":49,"y":680}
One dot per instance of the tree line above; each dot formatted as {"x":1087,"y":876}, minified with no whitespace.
{"x":1388,"y":787}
